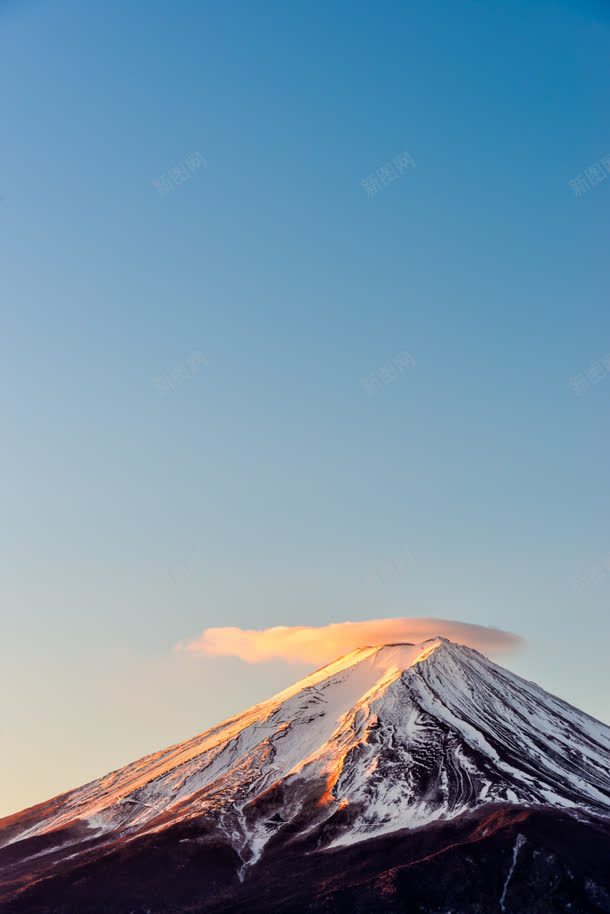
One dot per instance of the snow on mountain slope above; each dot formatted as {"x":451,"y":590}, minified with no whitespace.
{"x":387,"y":737}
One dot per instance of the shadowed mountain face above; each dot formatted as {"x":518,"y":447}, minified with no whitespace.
{"x":399,"y":778}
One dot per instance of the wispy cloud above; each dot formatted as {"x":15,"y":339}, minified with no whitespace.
{"x":319,"y":644}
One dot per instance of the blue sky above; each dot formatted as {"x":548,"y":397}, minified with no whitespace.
{"x":267,"y":486}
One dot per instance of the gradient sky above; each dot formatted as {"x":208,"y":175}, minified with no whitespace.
{"x":267,"y":486}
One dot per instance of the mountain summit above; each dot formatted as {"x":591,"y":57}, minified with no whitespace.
{"x":394,"y":739}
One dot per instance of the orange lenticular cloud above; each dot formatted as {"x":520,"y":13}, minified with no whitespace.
{"x":320,"y":644}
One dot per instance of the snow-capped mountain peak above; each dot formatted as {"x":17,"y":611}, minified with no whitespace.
{"x":387,"y":737}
